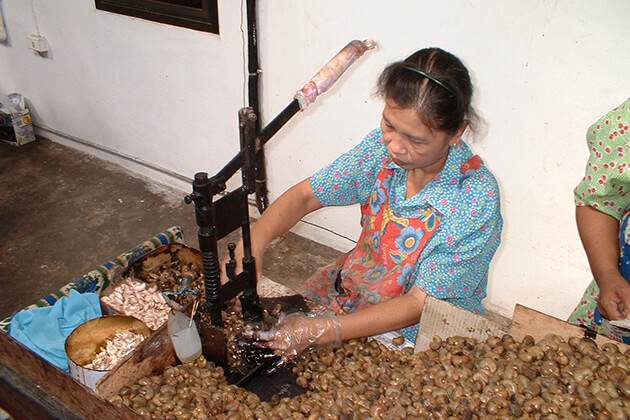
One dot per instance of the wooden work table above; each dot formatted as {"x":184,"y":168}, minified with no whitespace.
{"x":31,"y":388}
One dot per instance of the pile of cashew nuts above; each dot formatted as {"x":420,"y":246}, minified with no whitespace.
{"x":182,"y":282}
{"x":456,"y":377}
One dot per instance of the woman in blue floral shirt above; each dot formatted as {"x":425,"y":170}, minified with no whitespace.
{"x":430,"y":213}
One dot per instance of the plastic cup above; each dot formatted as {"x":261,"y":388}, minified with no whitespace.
{"x":185,"y":338}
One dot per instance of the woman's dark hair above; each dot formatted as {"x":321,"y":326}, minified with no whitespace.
{"x":434,"y":82}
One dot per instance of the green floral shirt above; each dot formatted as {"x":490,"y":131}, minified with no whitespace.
{"x":606,"y":183}
{"x":606,"y":187}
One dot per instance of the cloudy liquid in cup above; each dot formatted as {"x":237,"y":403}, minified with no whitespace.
{"x":185,"y":339}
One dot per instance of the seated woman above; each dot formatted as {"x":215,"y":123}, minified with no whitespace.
{"x":430,"y":213}
{"x":603,"y":209}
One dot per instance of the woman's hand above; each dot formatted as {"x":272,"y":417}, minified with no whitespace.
{"x":614,"y":296}
{"x":599,"y":233}
{"x":297,"y":332}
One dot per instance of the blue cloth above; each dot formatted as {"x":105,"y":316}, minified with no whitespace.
{"x":624,"y":242}
{"x":44,"y":330}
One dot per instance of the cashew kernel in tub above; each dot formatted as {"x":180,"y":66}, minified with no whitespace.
{"x":138,"y":299}
{"x":115,"y":350}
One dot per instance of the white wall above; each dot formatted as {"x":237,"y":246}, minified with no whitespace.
{"x":543,"y":70}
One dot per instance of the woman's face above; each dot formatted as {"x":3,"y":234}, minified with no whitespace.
{"x":411,"y":143}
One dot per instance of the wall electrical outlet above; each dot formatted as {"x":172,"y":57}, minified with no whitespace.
{"x":38,"y":43}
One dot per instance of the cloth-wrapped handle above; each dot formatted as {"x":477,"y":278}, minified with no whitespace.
{"x":332,"y":71}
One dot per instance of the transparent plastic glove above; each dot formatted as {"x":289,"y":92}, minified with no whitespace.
{"x":297,"y":332}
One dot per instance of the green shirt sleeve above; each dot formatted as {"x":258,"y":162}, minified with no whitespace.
{"x":606,"y":182}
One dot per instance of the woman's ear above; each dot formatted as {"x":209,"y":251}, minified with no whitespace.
{"x":458,"y":135}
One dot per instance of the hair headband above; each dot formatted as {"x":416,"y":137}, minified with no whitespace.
{"x":428,"y":76}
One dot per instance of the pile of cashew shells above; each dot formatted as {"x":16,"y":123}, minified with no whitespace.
{"x":456,"y":378}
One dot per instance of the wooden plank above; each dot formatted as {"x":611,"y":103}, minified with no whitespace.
{"x":527,"y":321}
{"x":22,"y":399}
{"x":53,"y":381}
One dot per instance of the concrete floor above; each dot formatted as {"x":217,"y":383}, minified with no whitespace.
{"x":64,"y":213}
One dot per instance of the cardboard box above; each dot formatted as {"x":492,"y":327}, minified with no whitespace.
{"x":446,"y":320}
{"x":16,"y":128}
{"x":15,"y":120}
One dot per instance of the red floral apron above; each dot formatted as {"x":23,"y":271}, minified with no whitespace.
{"x":380,"y":266}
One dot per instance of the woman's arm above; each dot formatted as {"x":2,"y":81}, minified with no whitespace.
{"x":599,"y":233}
{"x":298,"y":332}
{"x":282,"y":215}
{"x":390,"y":315}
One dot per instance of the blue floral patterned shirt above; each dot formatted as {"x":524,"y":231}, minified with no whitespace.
{"x":454,"y":263}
